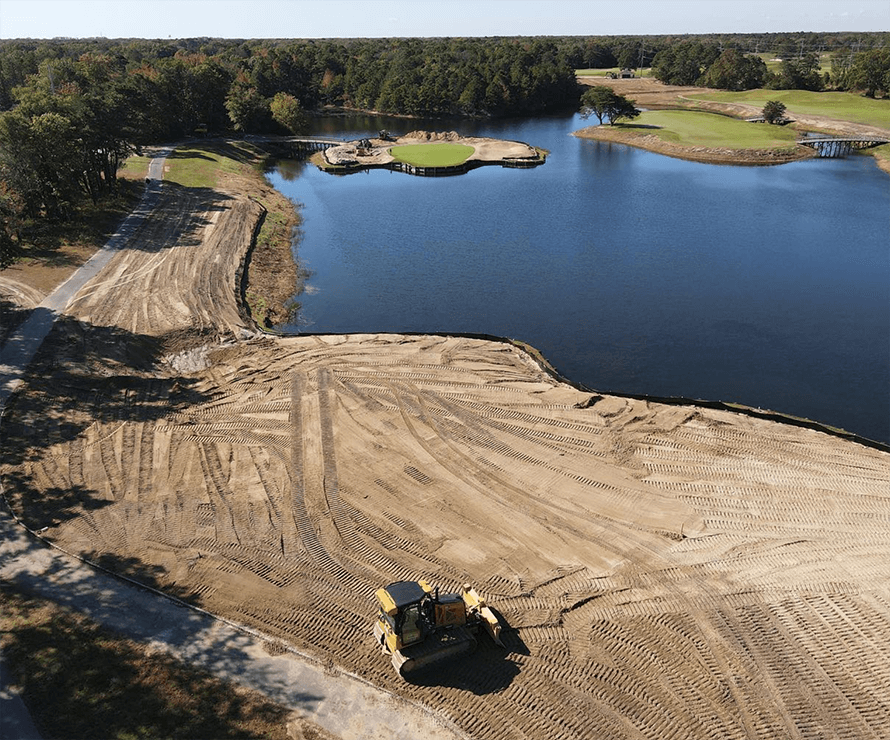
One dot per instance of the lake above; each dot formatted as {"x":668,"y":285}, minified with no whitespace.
{"x":631,"y":272}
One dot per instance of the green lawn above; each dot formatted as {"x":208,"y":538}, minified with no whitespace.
{"x":432,"y":155}
{"x":693,"y":128}
{"x":134,"y":167}
{"x":197,"y":167}
{"x":841,"y":105}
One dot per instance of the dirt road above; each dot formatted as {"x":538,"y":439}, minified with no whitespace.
{"x":665,"y":572}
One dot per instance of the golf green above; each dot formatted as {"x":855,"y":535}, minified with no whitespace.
{"x":432,"y":155}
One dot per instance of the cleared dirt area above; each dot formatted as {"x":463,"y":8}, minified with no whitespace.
{"x":663,"y":571}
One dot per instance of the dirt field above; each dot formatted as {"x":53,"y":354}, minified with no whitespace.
{"x":664,"y":572}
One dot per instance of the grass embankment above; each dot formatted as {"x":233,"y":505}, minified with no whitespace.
{"x":705,"y":137}
{"x":79,"y":680}
{"x":691,"y":128}
{"x":432,"y":155}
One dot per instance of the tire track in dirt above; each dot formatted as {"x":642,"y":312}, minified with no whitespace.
{"x":664,"y":572}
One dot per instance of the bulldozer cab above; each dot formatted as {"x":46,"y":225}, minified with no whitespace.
{"x":401,"y":608}
{"x":410,"y":619}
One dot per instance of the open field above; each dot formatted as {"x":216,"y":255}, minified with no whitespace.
{"x":838,"y":105}
{"x":606,"y":71}
{"x":691,"y":128}
{"x":866,"y":119}
{"x":663,"y":571}
{"x":432,"y":155}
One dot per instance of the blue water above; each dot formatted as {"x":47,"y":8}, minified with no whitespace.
{"x":632,"y":272}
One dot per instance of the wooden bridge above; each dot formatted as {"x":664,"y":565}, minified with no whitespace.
{"x":311,"y":143}
{"x":840,"y":146}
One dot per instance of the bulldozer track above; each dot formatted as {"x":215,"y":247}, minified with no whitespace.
{"x":662,"y":572}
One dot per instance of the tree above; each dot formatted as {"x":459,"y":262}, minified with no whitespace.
{"x":871,"y":72}
{"x":735,"y":71}
{"x":11,"y":218}
{"x":248,"y":110}
{"x":799,"y":74}
{"x":288,"y":113}
{"x":774,"y":111}
{"x":607,"y":105}
{"x":684,"y":63}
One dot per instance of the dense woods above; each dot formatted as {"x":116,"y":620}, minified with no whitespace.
{"x":71,"y":110}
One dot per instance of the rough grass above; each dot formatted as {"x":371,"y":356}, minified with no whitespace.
{"x":202,"y":166}
{"x":134,"y":168}
{"x":693,"y":128}
{"x":840,"y":105}
{"x":79,"y":680}
{"x":432,"y":155}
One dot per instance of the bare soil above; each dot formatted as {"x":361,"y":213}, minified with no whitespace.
{"x":663,"y":571}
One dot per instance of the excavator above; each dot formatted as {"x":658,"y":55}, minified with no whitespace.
{"x":419,"y":627}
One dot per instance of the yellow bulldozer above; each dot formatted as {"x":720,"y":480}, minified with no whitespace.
{"x":419,"y":627}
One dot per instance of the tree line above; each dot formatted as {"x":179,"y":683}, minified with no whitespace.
{"x":694,"y":62}
{"x":71,"y":110}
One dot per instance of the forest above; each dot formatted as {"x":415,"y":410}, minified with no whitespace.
{"x":71,"y":110}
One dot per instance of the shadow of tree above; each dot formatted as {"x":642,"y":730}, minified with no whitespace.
{"x":12,"y":315}
{"x":41,"y":507}
{"x":81,"y":680}
{"x":84,"y":374}
{"x":145,"y":574}
{"x":239,"y":151}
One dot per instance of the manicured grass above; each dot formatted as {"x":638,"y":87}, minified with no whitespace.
{"x":841,"y":105}
{"x":198,"y":167}
{"x":692,"y":128}
{"x":432,"y":155}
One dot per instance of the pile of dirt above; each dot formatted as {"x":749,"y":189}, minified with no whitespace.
{"x":432,"y":136}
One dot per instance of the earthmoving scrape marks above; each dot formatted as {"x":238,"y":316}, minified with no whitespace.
{"x":812,"y":665}
{"x":758,"y":670}
{"x":771,"y":483}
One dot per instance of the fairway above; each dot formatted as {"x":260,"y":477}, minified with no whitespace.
{"x":432,"y":155}
{"x":841,"y":105}
{"x":691,"y":128}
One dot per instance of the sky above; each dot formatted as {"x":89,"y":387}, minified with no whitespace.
{"x":162,"y":19}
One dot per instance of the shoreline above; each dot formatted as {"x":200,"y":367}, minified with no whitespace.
{"x":624,"y":134}
{"x":651,"y":94}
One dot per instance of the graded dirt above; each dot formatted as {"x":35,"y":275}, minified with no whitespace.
{"x":662,"y":571}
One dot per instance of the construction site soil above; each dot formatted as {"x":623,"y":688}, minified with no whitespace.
{"x":662,"y":571}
